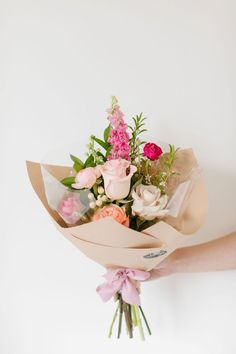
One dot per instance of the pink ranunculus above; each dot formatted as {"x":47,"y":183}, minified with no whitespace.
{"x":117,"y":177}
{"x":69,"y":209}
{"x":114,"y":211}
{"x":86,"y":178}
{"x":152,"y":151}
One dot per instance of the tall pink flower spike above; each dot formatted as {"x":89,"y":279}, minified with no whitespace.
{"x":118,"y":137}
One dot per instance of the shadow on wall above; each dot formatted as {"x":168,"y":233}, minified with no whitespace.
{"x":200,"y":295}
{"x":221,"y":219}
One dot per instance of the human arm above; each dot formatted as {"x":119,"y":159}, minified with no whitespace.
{"x":216,"y":255}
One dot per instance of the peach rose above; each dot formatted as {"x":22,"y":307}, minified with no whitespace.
{"x":116,"y":179}
{"x":114,"y":211}
{"x":86,"y":178}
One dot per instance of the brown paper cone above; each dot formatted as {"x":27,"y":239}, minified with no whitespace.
{"x":111,"y":244}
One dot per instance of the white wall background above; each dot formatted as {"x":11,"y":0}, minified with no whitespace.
{"x":60,"y":62}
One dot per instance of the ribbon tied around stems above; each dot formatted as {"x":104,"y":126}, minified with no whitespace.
{"x":125,"y":281}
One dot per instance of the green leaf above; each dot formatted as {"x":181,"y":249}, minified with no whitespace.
{"x":100,"y":154}
{"x":141,"y":125}
{"x":77,"y":167}
{"x":102,"y":143}
{"x":107,"y":132}
{"x":68,"y":181}
{"x":95,"y":190}
{"x":89,"y":162}
{"x":76,"y":160}
{"x":167,"y":164}
{"x":108,"y":151}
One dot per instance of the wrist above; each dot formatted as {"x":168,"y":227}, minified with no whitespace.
{"x":178,"y":261}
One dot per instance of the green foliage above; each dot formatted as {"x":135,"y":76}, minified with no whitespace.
{"x":68,"y":181}
{"x":78,"y":164}
{"x":106,"y":133}
{"x":76,"y":160}
{"x":101,"y":156}
{"x":170,"y":157}
{"x":102,"y":143}
{"x":161,"y":177}
{"x":108,"y":151}
{"x":135,"y":142}
{"x":89,"y":161}
{"x":98,"y":157}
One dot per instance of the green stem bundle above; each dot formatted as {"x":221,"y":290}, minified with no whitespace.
{"x":133,"y":316}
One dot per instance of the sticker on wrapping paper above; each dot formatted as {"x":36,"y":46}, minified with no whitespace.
{"x":155,"y":254}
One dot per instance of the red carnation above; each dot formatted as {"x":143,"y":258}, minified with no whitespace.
{"x":152,"y":151}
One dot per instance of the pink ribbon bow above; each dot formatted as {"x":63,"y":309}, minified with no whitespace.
{"x":122,"y":280}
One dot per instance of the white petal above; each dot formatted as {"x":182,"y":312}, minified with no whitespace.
{"x":163,"y":212}
{"x":163,"y":201}
{"x":137,"y":206}
{"x":158,"y":193}
{"x":148,"y":196}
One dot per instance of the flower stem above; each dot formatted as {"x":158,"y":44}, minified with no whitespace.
{"x":139,"y":323}
{"x":113,"y":321}
{"x":120,"y":316}
{"x":145,"y":320}
{"x":135,"y":322}
{"x":128,"y":319}
{"x":147,"y":167}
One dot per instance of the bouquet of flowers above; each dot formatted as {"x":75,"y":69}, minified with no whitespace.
{"x":127,"y":206}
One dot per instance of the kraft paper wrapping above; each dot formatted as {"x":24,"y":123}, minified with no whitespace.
{"x":113,"y":245}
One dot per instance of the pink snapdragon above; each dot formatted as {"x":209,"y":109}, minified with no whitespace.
{"x":118,"y":137}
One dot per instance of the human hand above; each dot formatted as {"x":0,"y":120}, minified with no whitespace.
{"x":215,"y":255}
{"x":166,"y":267}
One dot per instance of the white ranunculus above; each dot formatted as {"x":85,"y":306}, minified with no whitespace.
{"x":148,"y":202}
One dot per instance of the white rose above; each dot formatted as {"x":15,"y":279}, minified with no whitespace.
{"x":148,"y":202}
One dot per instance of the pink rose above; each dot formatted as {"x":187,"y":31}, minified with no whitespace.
{"x":117,"y":177}
{"x":152,"y":151}
{"x":86,"y":178}
{"x":114,"y":211}
{"x":69,"y":209}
